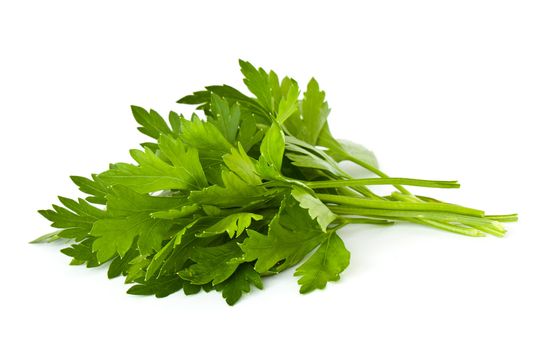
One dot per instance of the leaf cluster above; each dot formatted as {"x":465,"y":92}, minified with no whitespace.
{"x":251,"y":188}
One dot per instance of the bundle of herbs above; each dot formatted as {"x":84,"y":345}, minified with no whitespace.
{"x":251,"y":190}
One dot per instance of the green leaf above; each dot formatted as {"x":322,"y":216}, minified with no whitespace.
{"x":152,"y":124}
{"x":259,"y":83}
{"x":272,"y":152}
{"x":75,"y":221}
{"x":204,"y":136}
{"x":191,"y":289}
{"x":239,"y":283}
{"x":250,"y":110}
{"x":233,"y":224}
{"x":82,"y":253}
{"x":234,"y":193}
{"x":211,"y":144}
{"x":94,"y":187}
{"x":249,"y":134}
{"x":137,"y":269}
{"x":117,"y":235}
{"x":175,"y":121}
{"x":213,"y":264}
{"x":314,"y":112}
{"x":349,"y":149}
{"x":154,"y":174}
{"x":161,"y":287}
{"x":177,"y":213}
{"x":292,"y":234}
{"x":325,"y":265}
{"x":123,"y":201}
{"x":304,"y":155}
{"x":159,"y":258}
{"x":132,"y":219}
{"x":289,"y":104}
{"x":226,"y":118}
{"x":120,"y":265}
{"x":247,"y":104}
{"x":241,"y":164}
{"x":47,"y":238}
{"x":316,"y":209}
{"x":182,"y":250}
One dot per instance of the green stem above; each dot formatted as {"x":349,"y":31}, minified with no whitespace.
{"x":351,"y":220}
{"x":362,"y":189}
{"x":383,"y":181}
{"x":415,"y":214}
{"x":451,"y":220}
{"x":373,"y":170}
{"x":503,"y":218}
{"x":494,"y":229}
{"x":466,"y":231}
{"x":357,"y":192}
{"x":391,"y":205}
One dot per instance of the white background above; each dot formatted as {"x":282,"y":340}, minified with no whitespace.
{"x":438,"y":89}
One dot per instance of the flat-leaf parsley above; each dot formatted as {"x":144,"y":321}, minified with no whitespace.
{"x":250,"y":190}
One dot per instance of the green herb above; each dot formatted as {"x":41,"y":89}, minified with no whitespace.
{"x":251,"y":190}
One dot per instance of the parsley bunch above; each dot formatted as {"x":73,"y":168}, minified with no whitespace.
{"x":217,"y":204}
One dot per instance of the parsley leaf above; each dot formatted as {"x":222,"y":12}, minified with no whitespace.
{"x":260,"y":83}
{"x":316,"y":209}
{"x":182,"y":171}
{"x":131,"y":219}
{"x":152,"y":124}
{"x":292,"y":234}
{"x":161,"y":287}
{"x":234,"y":192}
{"x":241,"y":164}
{"x":315,"y":111}
{"x":213,"y":264}
{"x":211,"y":144}
{"x":233,"y":224}
{"x":325,"y":265}
{"x":239,"y":283}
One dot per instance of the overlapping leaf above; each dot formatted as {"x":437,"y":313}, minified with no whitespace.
{"x":291,"y":236}
{"x":325,"y":265}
